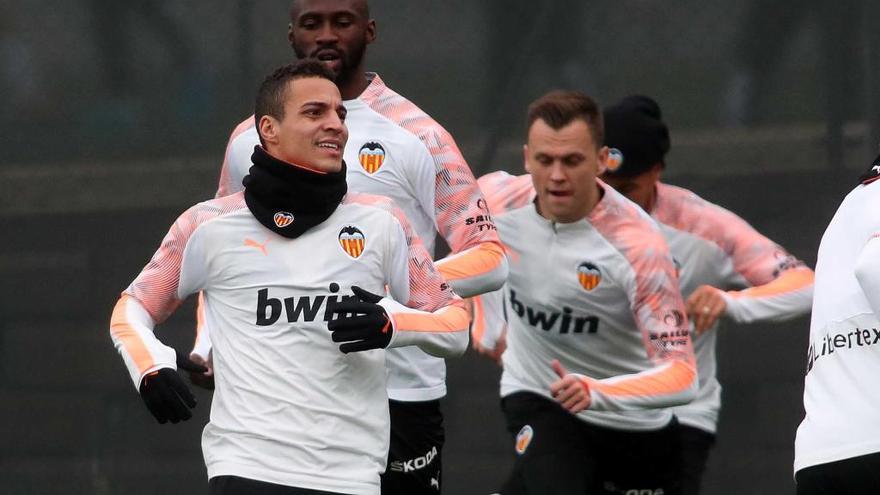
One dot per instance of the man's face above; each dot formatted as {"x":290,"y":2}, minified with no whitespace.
{"x":335,"y":32}
{"x":564,"y":165}
{"x":313,"y":132}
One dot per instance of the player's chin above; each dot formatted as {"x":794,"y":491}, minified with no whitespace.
{"x":329,"y":164}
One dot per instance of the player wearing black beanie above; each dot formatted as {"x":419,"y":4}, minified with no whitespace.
{"x":717,"y":252}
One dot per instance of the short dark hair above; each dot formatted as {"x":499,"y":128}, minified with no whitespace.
{"x":362,"y":7}
{"x":273,"y":90}
{"x":561,"y":107}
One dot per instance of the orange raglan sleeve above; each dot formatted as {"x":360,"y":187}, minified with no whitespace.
{"x":477,"y":262}
{"x":153,"y":296}
{"x":659,"y":313}
{"x":176,"y":270}
{"x":446,"y":189}
{"x":777,"y":285}
{"x":424,"y":310}
{"x":780,"y":285}
{"x":237,"y":158}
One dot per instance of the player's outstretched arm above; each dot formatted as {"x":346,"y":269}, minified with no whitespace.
{"x":659,"y":313}
{"x":449,"y":192}
{"x":475,"y":270}
{"x":787,"y":296}
{"x":489,"y":325}
{"x":778,"y":285}
{"x":176,"y":270}
{"x":376,"y":322}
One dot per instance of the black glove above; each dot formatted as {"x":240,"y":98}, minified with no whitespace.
{"x":196,"y":371}
{"x":166,"y":396}
{"x":362,"y":325}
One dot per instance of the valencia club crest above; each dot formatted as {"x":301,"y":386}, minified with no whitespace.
{"x":371,"y":156}
{"x":283,"y":219}
{"x":589,"y":275}
{"x":352,"y":240}
{"x":615,"y":159}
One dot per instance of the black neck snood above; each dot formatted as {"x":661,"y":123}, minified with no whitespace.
{"x":288,"y":199}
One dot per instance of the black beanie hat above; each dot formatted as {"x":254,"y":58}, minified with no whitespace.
{"x":635,"y":134}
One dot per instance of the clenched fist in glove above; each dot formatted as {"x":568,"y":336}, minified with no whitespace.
{"x":166,"y":396}
{"x":361,"y":325}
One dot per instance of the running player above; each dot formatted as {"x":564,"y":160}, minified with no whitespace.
{"x":598,"y":343}
{"x":837,"y":448}
{"x":718,"y":254}
{"x":395,"y":150}
{"x":726,"y":268}
{"x":292,"y":412}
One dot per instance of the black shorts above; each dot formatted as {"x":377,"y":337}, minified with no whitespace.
{"x":557,"y":453}
{"x":695,"y":446}
{"x":853,"y":476}
{"x":416,"y":444}
{"x":234,"y":485}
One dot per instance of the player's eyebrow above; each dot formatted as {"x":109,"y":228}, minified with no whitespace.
{"x":314,"y":104}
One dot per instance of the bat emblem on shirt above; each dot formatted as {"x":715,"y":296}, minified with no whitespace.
{"x":615,"y":159}
{"x":524,"y":438}
{"x":283,"y":219}
{"x":371,"y":156}
{"x":589,"y":275}
{"x":352,"y":240}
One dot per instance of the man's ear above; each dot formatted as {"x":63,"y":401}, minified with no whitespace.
{"x":602,"y":161}
{"x":268,"y":129}
{"x":526,"y":158}
{"x":290,"y":33}
{"x":371,"y":31}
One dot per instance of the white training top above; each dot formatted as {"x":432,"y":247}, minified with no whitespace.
{"x":601,"y":296}
{"x":841,"y":397}
{"x":715,"y":247}
{"x":396,"y":150}
{"x":289,"y":407}
{"x":710,"y":246}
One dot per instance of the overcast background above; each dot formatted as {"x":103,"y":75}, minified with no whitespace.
{"x":114,"y":118}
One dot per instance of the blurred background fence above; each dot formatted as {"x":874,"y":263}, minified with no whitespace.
{"x":114,"y":118}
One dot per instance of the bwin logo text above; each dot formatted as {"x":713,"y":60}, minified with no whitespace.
{"x":302,"y":308}
{"x":547,"y":322}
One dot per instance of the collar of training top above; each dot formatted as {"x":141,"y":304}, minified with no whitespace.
{"x":288,"y":199}
{"x":873,"y":172}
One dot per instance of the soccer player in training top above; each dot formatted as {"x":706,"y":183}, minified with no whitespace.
{"x":726,"y":268}
{"x":598,"y":348}
{"x":717,"y":253}
{"x":837,"y":449}
{"x":290,"y":270}
{"x":396,"y":150}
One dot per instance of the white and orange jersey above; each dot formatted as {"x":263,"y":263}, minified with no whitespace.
{"x":289,"y":407}
{"x":841,"y":398}
{"x":711,"y":246}
{"x":396,"y":150}
{"x":601,"y":296}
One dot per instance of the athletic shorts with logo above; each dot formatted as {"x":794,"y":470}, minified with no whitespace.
{"x":417,"y":439}
{"x":557,"y":453}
